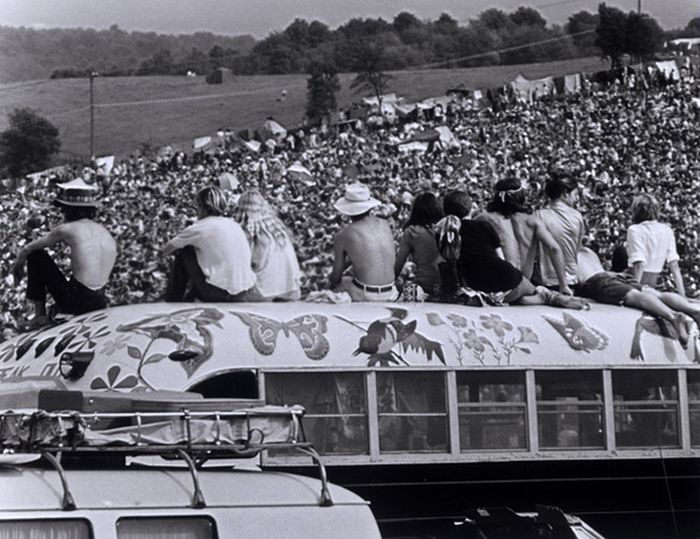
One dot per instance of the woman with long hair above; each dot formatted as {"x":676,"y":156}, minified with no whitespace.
{"x":418,"y":242}
{"x":273,"y":258}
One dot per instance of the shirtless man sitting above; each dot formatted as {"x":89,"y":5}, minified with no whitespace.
{"x":367,"y":245}
{"x":92,"y":255}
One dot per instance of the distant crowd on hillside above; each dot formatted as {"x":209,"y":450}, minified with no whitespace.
{"x":616,"y":142}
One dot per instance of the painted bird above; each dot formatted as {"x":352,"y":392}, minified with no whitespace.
{"x":655,"y":326}
{"x":578,"y":334}
{"x":384,"y":334}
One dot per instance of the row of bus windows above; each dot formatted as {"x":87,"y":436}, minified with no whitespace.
{"x":127,"y":528}
{"x":412,"y":409}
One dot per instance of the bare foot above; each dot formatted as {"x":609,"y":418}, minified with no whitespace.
{"x":568,"y":302}
{"x":680,"y":324}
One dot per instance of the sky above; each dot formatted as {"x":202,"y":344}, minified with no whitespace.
{"x":260,"y":17}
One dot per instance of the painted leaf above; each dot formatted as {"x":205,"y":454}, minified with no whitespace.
{"x":154,"y":358}
{"x":133,"y":352}
{"x":127,"y":383}
{"x":112,"y":374}
{"x":43,"y":345}
{"x":24,"y":348}
{"x":434,"y":319}
{"x":63,"y":343}
{"x":457,"y":320}
{"x":98,"y":383}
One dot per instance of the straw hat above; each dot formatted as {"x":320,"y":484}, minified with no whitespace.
{"x":356,"y":201}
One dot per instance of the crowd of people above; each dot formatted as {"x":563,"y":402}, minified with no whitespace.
{"x":616,"y":142}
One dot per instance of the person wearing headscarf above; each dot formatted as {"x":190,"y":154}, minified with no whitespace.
{"x":212,"y":256}
{"x":274,"y":261}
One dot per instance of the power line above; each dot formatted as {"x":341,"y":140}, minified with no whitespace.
{"x":497,"y":51}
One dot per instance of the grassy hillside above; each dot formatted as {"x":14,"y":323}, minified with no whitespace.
{"x":200,"y":109}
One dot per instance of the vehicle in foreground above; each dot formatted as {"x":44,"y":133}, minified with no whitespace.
{"x":427,"y":409}
{"x":64,"y":472}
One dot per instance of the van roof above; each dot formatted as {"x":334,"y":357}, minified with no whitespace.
{"x":30,"y":488}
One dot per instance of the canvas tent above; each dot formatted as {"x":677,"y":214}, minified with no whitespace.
{"x":669,"y":68}
{"x":221,"y":75}
{"x":274,"y":130}
{"x":529,"y":89}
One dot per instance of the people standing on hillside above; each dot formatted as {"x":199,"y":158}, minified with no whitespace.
{"x":651,"y":244}
{"x":521,"y":232}
{"x":277,"y":272}
{"x":418,"y":242}
{"x":565,"y":224}
{"x":212,"y":256}
{"x":93,"y":252}
{"x":366,"y":244}
{"x":483,"y":268}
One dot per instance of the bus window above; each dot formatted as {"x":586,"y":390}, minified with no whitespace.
{"x":570,"y":409}
{"x":694,"y":404}
{"x":166,"y":528}
{"x":646,"y":408}
{"x":492,"y":410}
{"x":46,"y":529}
{"x":336,"y":418}
{"x":229,"y":385}
{"x":412,"y":411}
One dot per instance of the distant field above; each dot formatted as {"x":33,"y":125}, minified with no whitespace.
{"x":243,"y":103}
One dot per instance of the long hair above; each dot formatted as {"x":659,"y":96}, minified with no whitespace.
{"x":457,"y":203}
{"x":212,"y":200}
{"x":75,"y":213}
{"x":644,"y":208}
{"x":560,"y":186}
{"x":258,"y":218}
{"x":426,"y":211}
{"x":508,"y":199}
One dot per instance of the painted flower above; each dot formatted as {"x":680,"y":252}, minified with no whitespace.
{"x":112,"y":346}
{"x":112,"y":382}
{"x":457,"y":320}
{"x":473,"y":341}
{"x":527,"y":335}
{"x":495,"y":323}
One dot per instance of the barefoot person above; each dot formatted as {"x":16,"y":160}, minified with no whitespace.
{"x":623,"y":289}
{"x":92,"y":255}
{"x":367,"y":245}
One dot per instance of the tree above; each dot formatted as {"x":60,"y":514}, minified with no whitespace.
{"x":583,"y":21}
{"x":644,"y":36}
{"x":321,"y":88}
{"x":611,"y":34}
{"x":370,"y":64}
{"x":28,"y":144}
{"x":527,"y":16}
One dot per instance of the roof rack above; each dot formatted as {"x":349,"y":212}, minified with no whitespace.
{"x":194,"y":436}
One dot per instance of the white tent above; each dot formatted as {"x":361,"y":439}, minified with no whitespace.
{"x":275,"y":129}
{"x":252,"y":145}
{"x":201,"y":142}
{"x":447,"y":137}
{"x":386,"y":98}
{"x":529,"y":89}
{"x":414,"y":147}
{"x":687,"y":42}
{"x":104,"y":164}
{"x":670,"y":69}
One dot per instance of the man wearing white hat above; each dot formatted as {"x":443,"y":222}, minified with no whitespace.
{"x":93,"y":252}
{"x":367,"y":245}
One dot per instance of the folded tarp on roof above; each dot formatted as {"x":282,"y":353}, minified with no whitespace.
{"x":528,"y":89}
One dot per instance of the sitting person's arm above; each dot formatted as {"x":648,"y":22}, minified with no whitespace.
{"x":339,"y":264}
{"x":56,"y":235}
{"x":402,"y":254}
{"x":554,"y":252}
{"x":677,"y":277}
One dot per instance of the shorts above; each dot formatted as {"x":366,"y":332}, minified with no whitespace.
{"x":608,"y":287}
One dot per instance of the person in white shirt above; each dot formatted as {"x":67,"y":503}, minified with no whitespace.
{"x":651,"y":244}
{"x":212,"y":256}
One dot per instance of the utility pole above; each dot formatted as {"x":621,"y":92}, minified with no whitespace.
{"x":92,"y":75}
{"x":639,"y":7}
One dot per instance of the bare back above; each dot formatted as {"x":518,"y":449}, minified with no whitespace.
{"x":506,"y":233}
{"x":524,"y":230}
{"x":369,"y":245}
{"x":93,"y":251}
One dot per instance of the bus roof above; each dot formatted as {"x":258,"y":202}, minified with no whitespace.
{"x":174,"y":346}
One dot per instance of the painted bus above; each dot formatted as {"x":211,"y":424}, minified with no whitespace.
{"x":427,"y":409}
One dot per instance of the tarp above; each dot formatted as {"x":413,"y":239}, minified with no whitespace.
{"x":252,"y":145}
{"x":274,"y":129}
{"x":386,"y":98}
{"x":104,"y":164}
{"x":201,"y":142}
{"x":228,"y":181}
{"x":669,"y":68}
{"x":300,"y":172}
{"x":572,"y":83}
{"x":687,"y":42}
{"x":447,"y":137}
{"x":529,"y":89}
{"x":413,"y":147}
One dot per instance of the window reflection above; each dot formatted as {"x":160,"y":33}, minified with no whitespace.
{"x":492,"y":411}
